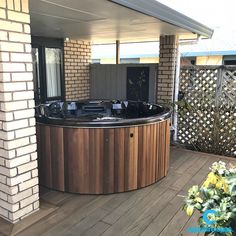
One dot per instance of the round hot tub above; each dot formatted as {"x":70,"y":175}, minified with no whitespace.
{"x":101,"y":147}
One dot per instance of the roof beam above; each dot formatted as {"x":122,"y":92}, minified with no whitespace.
{"x":117,"y":51}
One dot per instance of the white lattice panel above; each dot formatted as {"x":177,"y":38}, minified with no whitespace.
{"x":207,"y":114}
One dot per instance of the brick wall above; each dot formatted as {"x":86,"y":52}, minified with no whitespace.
{"x":167,"y":68}
{"x":18,"y":157}
{"x":77,"y":56}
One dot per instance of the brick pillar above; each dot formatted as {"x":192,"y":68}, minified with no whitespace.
{"x":167,"y":68}
{"x":18,"y":157}
{"x":77,"y":56}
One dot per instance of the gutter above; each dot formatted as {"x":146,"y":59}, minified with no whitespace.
{"x":161,"y":12}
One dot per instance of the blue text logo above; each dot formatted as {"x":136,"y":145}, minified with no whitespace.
{"x":209,"y":221}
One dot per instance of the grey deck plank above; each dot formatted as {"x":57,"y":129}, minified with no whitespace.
{"x":97,"y":229}
{"x":55,"y":197}
{"x":75,"y":203}
{"x":192,"y":222}
{"x":98,"y":214}
{"x":188,"y":173}
{"x":129,"y":204}
{"x":144,"y":218}
{"x":154,"y":210}
{"x":132,"y":214}
{"x":86,"y":223}
{"x":164,"y":217}
{"x":77,"y":216}
{"x":175,"y":225}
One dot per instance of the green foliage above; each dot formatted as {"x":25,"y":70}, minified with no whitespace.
{"x":218,"y":193}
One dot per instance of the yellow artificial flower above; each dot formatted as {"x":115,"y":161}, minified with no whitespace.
{"x":189,"y":210}
{"x":212,"y":178}
{"x":222,"y":184}
{"x":226,"y":187}
{"x":198,"y":199}
{"x":219,"y":184}
{"x":206,"y":183}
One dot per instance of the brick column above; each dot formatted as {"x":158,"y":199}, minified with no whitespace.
{"x":167,"y":68}
{"x":77,"y":56}
{"x":18,"y":157}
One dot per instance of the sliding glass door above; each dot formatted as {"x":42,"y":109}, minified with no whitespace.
{"x":48,"y":69}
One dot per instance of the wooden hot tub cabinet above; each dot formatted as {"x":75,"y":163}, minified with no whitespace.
{"x":98,"y":160}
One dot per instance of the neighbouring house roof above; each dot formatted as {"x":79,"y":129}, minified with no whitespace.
{"x":183,"y":54}
{"x":206,"y":53}
{"x":104,"y":21}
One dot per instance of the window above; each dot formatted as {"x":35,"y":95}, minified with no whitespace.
{"x":48,"y":69}
{"x":129,"y":60}
{"x":229,"y":60}
{"x":188,"y":61}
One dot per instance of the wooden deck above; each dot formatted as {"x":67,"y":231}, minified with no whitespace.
{"x":154,"y":210}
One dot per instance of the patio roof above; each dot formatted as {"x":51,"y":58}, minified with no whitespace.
{"x":104,"y":21}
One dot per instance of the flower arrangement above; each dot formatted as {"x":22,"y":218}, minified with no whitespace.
{"x":218,"y":195}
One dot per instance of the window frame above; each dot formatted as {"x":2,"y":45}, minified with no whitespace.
{"x":42,"y":43}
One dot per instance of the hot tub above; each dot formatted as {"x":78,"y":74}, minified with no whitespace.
{"x":101,"y":147}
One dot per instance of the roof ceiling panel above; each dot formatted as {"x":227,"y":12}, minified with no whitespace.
{"x":100,"y":21}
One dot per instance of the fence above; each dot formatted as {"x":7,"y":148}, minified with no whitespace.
{"x":110,"y":81}
{"x":207,"y":113}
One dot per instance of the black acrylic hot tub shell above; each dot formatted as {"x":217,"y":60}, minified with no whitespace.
{"x":91,"y":119}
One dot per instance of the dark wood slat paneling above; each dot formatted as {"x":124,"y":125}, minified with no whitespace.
{"x":96,"y":161}
{"x":83,"y":149}
{"x":167,"y":154}
{"x":153,"y":152}
{"x":108,"y":170}
{"x":131,"y":158}
{"x":135,"y":158}
{"x":119,"y":179}
{"x":92,"y":161}
{"x":141,"y":156}
{"x":100,"y":161}
{"x":157,"y":174}
{"x":71,"y":160}
{"x":57,"y":158}
{"x":148,"y":157}
{"x":45,"y":145}
{"x":161,"y":149}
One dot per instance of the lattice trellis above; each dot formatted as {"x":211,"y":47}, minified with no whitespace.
{"x":207,"y":114}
